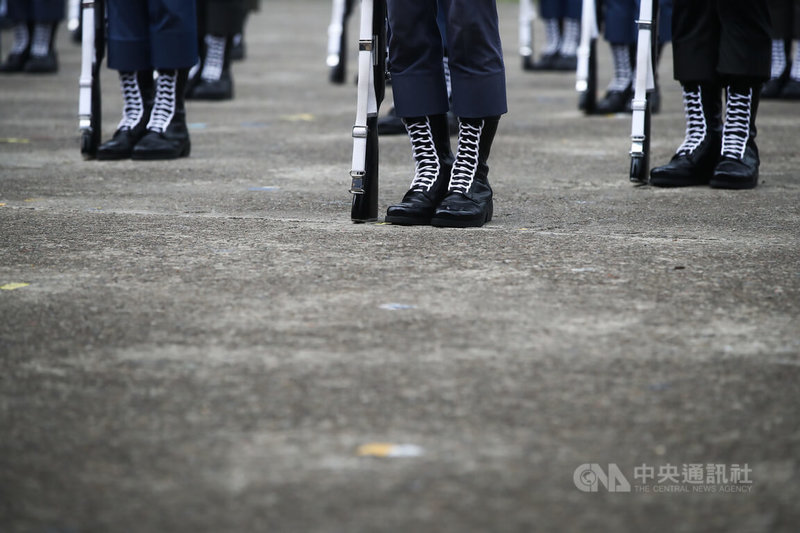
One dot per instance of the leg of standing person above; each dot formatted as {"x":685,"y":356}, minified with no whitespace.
{"x":223,"y":20}
{"x":551,"y":13}
{"x":781,"y":33}
{"x":129,"y":53}
{"x":478,"y":79}
{"x":744,"y":65}
{"x":570,"y":36}
{"x":238,"y":46}
{"x":173,"y":38}
{"x":791,"y":90}
{"x":562,"y":24}
{"x":20,"y":14}
{"x":620,"y":32}
{"x":35,"y":24}
{"x":47,"y":14}
{"x":391,"y":124}
{"x":420,"y":98}
{"x":714,"y":44}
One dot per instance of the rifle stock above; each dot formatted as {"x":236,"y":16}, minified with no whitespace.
{"x":586,"y":74}
{"x":337,"y":40}
{"x":371,"y":89}
{"x":646,"y":51}
{"x":527,"y":14}
{"x":93,"y":46}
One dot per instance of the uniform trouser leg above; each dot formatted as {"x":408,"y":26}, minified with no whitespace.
{"x":621,"y":15}
{"x":173,"y":33}
{"x":36,"y":10}
{"x":148,"y":34}
{"x":716,"y":38}
{"x":129,"y":47}
{"x":558,"y":9}
{"x":476,"y":63}
{"x":784,"y":15}
{"x":476,"y":58}
{"x":415,"y":59}
{"x":224,"y":17}
{"x":620,"y":21}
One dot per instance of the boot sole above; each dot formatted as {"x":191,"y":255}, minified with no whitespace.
{"x":112,"y":157}
{"x":735,"y":185}
{"x":463,"y":223}
{"x":407,"y":221}
{"x":671,"y":182}
{"x":147,"y":156}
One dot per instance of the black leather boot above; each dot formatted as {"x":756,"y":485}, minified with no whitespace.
{"x":433,"y":158}
{"x":137,"y":96}
{"x":215,"y":81}
{"x":620,"y":91}
{"x":548,"y":59}
{"x":791,"y":90}
{"x":167,"y":135}
{"x":20,"y":49}
{"x":468,"y":202}
{"x":615,"y":101}
{"x":695,"y":159}
{"x":42,"y":58}
{"x":738,"y":166}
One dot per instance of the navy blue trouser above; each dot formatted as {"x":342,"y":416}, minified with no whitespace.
{"x":620,"y":21}
{"x":785,"y":15}
{"x":151,"y":34}
{"x":36,"y":10}
{"x":715,"y":39}
{"x":474,"y":51}
{"x":221,"y":17}
{"x":559,"y":9}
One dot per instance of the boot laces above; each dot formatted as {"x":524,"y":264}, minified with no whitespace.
{"x":696,"y":126}
{"x":164,"y":107}
{"x":424,"y":151}
{"x":215,"y":58}
{"x":736,"y":131}
{"x":133,"y":108}
{"x":467,"y":156}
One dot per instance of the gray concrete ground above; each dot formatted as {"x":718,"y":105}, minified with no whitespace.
{"x":204,"y":345}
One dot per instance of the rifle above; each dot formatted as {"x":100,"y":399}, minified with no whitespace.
{"x":586,"y":75}
{"x":646,"y":50}
{"x":371,"y":89}
{"x":527,"y":14}
{"x":337,"y":39}
{"x":93,"y":48}
{"x":74,"y":20}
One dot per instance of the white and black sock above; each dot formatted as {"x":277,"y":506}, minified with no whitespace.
{"x":42,"y":37}
{"x":22,"y":39}
{"x":133,"y":101}
{"x":623,"y":71}
{"x":795,"y":73}
{"x":553,"y":36}
{"x":214,"y":61}
{"x":778,"y":59}
{"x":571,"y":37}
